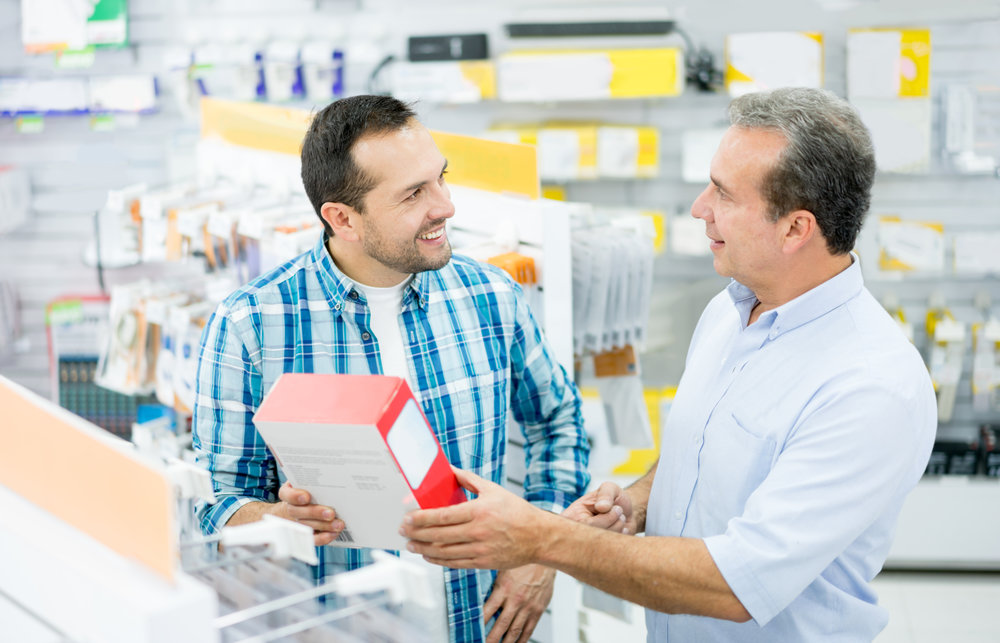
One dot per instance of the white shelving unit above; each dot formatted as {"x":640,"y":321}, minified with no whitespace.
{"x":949,"y":522}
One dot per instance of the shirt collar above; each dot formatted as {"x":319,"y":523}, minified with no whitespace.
{"x":808,"y":306}
{"x":339,"y":286}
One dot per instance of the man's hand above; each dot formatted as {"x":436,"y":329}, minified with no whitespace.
{"x":497,"y":530}
{"x":609,"y":507}
{"x":521,"y":595}
{"x":295,"y":504}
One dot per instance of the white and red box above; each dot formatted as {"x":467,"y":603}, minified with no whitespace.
{"x":361,"y":445}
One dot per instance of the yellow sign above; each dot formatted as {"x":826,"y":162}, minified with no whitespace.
{"x":255,"y":125}
{"x":472,"y":162}
{"x":490,"y":165}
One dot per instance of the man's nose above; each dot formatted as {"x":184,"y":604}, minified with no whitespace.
{"x":441,"y":207}
{"x":700,"y":209}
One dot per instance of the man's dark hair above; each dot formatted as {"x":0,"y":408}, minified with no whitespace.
{"x":329,"y":172}
{"x":828,"y":165}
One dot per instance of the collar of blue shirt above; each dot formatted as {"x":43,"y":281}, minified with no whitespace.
{"x":806,"y":307}
{"x":338,"y":287}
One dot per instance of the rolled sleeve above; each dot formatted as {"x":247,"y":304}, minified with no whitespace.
{"x":546,"y":403}
{"x":223,"y":435}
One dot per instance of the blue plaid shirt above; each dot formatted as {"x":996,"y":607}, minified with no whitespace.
{"x":474,"y":351}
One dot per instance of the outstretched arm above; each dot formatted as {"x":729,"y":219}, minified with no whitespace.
{"x":498,"y":530}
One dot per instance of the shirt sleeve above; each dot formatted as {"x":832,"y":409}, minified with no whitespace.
{"x":223,"y":435}
{"x":840,"y":477}
{"x":546,"y":403}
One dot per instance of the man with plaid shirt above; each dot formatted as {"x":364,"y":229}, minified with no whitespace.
{"x":382,"y":293}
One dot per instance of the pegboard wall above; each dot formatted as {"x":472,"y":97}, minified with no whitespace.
{"x":72,"y":166}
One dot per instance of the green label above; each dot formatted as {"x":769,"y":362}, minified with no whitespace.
{"x":102,"y":123}
{"x":60,"y":313}
{"x":75,"y":58}
{"x":30,"y":124}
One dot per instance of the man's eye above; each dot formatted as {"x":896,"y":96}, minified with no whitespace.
{"x":414,"y":195}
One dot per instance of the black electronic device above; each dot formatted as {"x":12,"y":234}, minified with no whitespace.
{"x":454,"y":47}
{"x":954,"y":458}
{"x":578,"y":29}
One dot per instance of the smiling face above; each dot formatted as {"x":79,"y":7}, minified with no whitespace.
{"x":746,"y":244}
{"x":402,"y":228}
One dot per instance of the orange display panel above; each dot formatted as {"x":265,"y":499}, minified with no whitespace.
{"x":73,"y":470}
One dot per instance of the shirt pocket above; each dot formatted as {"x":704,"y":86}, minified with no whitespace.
{"x":734,"y":461}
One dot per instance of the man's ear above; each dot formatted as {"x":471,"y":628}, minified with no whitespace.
{"x":800,"y":229}
{"x":342,"y":219}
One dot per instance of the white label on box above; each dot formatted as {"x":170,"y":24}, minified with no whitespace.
{"x":410,"y":440}
{"x":618,"y":151}
{"x":558,"y":154}
{"x":976,"y":253}
{"x":220,"y":224}
{"x":156,"y":311}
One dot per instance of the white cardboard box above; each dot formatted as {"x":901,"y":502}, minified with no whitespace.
{"x":361,"y":445}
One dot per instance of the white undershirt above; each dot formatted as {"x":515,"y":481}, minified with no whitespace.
{"x":385,"y":305}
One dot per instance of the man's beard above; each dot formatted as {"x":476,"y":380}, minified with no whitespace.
{"x":403,"y":257}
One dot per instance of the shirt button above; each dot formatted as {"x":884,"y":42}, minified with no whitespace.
{"x":677,"y":516}
{"x":336,"y":307}
{"x":366,"y":336}
{"x":354,"y":294}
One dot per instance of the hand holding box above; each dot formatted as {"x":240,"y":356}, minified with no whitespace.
{"x":361,"y":445}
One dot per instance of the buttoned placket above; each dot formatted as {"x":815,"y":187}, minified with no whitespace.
{"x":743,"y":346}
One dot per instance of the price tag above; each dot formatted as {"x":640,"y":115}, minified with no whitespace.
{"x":75,"y":58}
{"x":102,"y":123}
{"x":30,"y":124}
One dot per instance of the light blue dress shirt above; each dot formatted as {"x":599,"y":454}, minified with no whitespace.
{"x":789,"y":448}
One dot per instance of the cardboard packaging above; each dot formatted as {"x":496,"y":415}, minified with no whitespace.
{"x":361,"y":445}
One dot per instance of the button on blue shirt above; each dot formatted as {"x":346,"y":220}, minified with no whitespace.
{"x":789,"y":448}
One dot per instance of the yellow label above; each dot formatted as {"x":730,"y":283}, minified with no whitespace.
{"x":934,"y":315}
{"x":890,"y":263}
{"x":640,"y":460}
{"x":586,"y":134}
{"x":482,"y":74}
{"x":635,"y":73}
{"x":734,"y":75}
{"x":646,"y":72}
{"x":554,"y":192}
{"x":659,"y":225}
{"x":525,"y":133}
{"x":915,"y":63}
{"x":886,"y":261}
{"x":649,"y":151}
